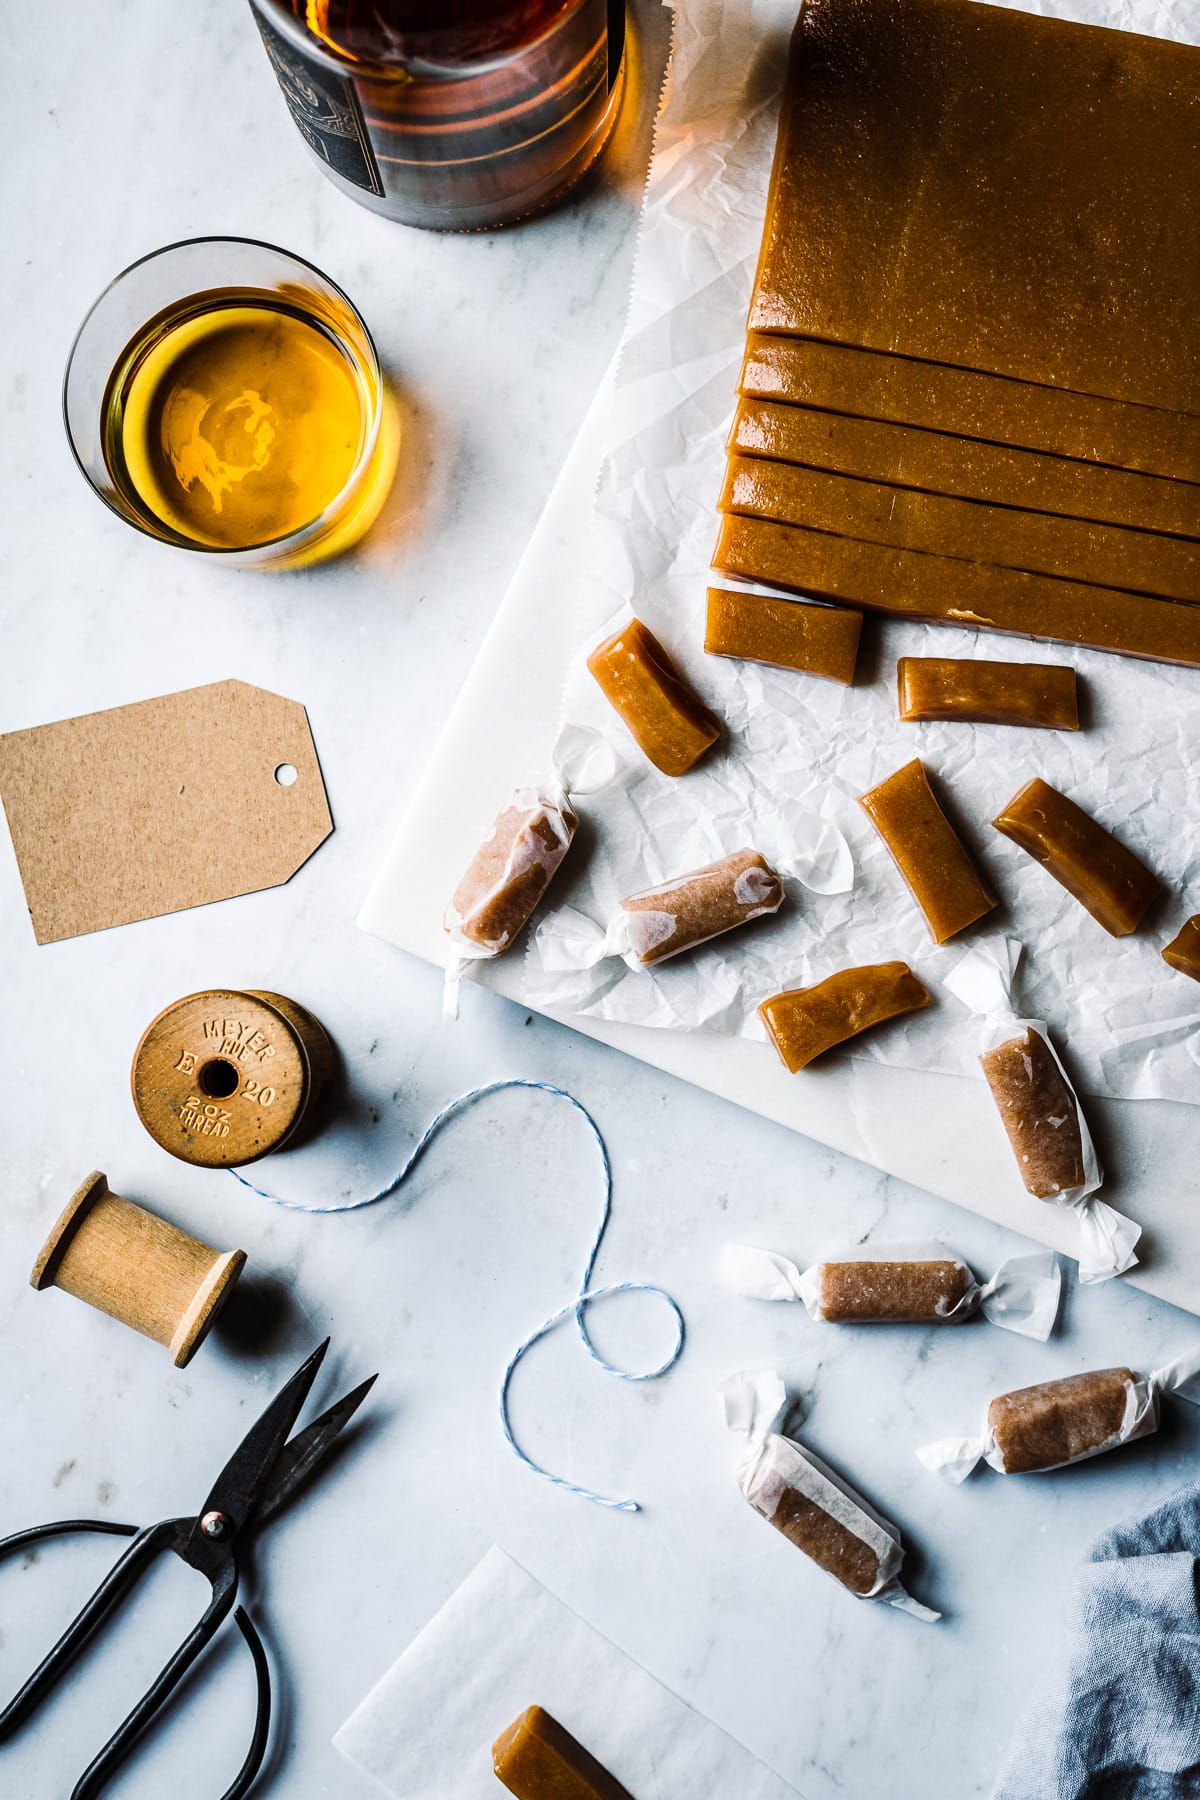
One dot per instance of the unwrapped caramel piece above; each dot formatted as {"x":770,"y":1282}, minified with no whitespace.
{"x":917,"y":585}
{"x":1105,"y":877}
{"x":972,"y":405}
{"x":1143,"y":562}
{"x":821,"y":640}
{"x":1039,"y":1112}
{"x":939,"y":463}
{"x":1060,"y":1421}
{"x":511,"y":870}
{"x":933,"y":165}
{"x":927,"y":851}
{"x":538,"y":1759}
{"x":990,"y":693}
{"x":668,"y":720}
{"x":892,"y":1292}
{"x":1183,"y":952}
{"x":805,"y":1022}
{"x":677,"y":915}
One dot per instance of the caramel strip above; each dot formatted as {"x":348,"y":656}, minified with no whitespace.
{"x":1039,"y":1113}
{"x":916,"y":585}
{"x":805,"y":1022}
{"x":981,"y":187}
{"x":1106,"y":555}
{"x":538,"y":1759}
{"x":1183,"y":952}
{"x":882,"y":1293}
{"x":1060,"y":1421}
{"x":666,"y":717}
{"x":935,"y":461}
{"x":510,"y":871}
{"x":679,"y":914}
{"x":786,"y":634}
{"x":987,"y":693}
{"x":927,"y":851}
{"x":1105,"y":877}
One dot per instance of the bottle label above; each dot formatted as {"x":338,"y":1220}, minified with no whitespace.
{"x":325,"y":108}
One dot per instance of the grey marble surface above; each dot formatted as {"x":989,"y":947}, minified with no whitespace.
{"x":134,"y":125}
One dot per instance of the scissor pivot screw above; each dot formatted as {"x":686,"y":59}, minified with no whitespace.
{"x":216,"y":1525}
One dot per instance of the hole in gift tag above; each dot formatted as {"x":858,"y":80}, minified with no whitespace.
{"x":218,"y":1079}
{"x":285,"y":775}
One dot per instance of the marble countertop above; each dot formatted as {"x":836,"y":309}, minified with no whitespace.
{"x":138,"y":125}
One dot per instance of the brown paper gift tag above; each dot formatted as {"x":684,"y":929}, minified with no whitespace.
{"x":148,"y":809}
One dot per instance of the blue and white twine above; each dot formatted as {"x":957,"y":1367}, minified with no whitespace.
{"x":577,"y":1307}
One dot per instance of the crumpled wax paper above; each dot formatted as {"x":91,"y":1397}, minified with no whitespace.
{"x":799,"y":750}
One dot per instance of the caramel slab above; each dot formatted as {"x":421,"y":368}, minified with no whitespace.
{"x":786,"y":634}
{"x":1106,"y":878}
{"x":917,"y":585}
{"x":927,"y":851}
{"x":940,"y":463}
{"x":666,"y":717}
{"x":982,"y":187}
{"x":1183,"y":952}
{"x":1039,"y":1113}
{"x":1106,"y":555}
{"x":968,"y":689}
{"x":538,"y":1759}
{"x":1060,"y":1421}
{"x":805,"y":1022}
{"x":970,"y":404}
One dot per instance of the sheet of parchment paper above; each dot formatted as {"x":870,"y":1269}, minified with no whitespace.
{"x":502,"y":1643}
{"x":799,"y":750}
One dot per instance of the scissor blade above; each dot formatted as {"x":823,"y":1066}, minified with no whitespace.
{"x":307,"y":1450}
{"x":239,"y":1486}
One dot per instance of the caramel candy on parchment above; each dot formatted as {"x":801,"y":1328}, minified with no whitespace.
{"x":927,"y":851}
{"x":1106,"y":878}
{"x":666,"y":717}
{"x":680,"y":914}
{"x":1061,"y":1421}
{"x":988,"y":693}
{"x":892,"y":1292}
{"x":1039,"y":1112}
{"x":511,"y":870}
{"x":538,"y":1759}
{"x":805,"y":1022}
{"x":786,"y":634}
{"x":916,"y":584}
{"x":1183,"y":952}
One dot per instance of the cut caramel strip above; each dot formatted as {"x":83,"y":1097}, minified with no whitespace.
{"x":1183,"y":951}
{"x":805,"y":1022}
{"x":988,"y":693}
{"x":538,"y":1759}
{"x":786,"y":634}
{"x":1105,"y":877}
{"x":666,"y":717}
{"x":939,"y":463}
{"x":927,"y":851}
{"x":978,"y":186}
{"x":917,"y":585}
{"x":1106,"y":555}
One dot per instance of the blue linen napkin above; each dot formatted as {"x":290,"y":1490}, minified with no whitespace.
{"x":1119,"y":1718}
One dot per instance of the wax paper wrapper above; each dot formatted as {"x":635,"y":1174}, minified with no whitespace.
{"x":773,"y":1467}
{"x":502,"y":1643}
{"x":954,"y":1458}
{"x":798,"y":750}
{"x":1022,"y":1296}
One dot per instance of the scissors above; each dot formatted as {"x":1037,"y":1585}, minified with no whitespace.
{"x":258,"y":1480}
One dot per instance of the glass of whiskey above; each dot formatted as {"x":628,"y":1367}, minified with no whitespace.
{"x":225,"y":396}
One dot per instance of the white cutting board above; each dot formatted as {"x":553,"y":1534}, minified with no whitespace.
{"x":940,"y":1132}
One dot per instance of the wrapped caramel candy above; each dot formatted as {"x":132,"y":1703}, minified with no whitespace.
{"x":988,"y":693}
{"x":927,"y":851}
{"x":1183,"y":951}
{"x":909,"y":1284}
{"x":1109,"y":880}
{"x":511,"y":870}
{"x":812,"y":1507}
{"x":803,"y":1023}
{"x":677,"y":915}
{"x":1065,"y":1421}
{"x":538,"y":1759}
{"x":666,"y":717}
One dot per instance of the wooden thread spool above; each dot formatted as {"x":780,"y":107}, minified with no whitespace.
{"x":223,"y":1077}
{"x":136,"y":1267}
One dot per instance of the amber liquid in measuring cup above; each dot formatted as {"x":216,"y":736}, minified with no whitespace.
{"x":455,"y":114}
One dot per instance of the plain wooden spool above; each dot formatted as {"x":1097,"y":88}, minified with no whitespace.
{"x":223,"y":1077}
{"x":136,"y":1267}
